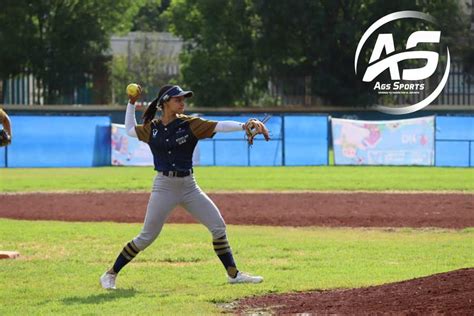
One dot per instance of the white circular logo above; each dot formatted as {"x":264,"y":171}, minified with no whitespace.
{"x":398,"y":83}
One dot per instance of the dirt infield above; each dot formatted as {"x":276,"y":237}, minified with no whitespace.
{"x":449,"y":293}
{"x":276,"y":209}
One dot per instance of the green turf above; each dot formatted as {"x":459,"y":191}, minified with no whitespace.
{"x":245,"y":178}
{"x":179,"y":274}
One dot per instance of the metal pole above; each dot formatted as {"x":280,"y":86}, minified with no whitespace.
{"x":248,"y":155}
{"x":434,"y":140}
{"x":283,"y":160}
{"x":469,"y":153}
{"x":327,"y":139}
{"x":214,"y":151}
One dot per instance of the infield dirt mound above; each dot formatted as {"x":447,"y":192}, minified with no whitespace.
{"x":275,"y":209}
{"x":449,"y":293}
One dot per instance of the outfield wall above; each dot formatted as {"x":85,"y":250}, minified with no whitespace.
{"x":86,"y":141}
{"x":455,"y":141}
{"x":297,"y":139}
{"x":58,"y":141}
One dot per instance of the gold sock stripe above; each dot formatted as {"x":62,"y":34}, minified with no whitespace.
{"x":219,"y":241}
{"x":134,"y":247}
{"x":232,"y":271}
{"x":124,"y":253}
{"x":130,"y":251}
{"x":223,"y":251}
{"x":221,"y":246}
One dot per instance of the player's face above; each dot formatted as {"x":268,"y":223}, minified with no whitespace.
{"x":176,"y":105}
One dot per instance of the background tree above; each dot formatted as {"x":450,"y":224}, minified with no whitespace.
{"x":150,"y":17}
{"x":219,"y":59}
{"x":145,"y":66}
{"x":233,"y":50}
{"x":59,"y":41}
{"x":236,"y":44}
{"x":16,"y":36}
{"x":319,"y":39}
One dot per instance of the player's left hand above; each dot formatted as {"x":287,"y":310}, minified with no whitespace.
{"x":253,"y":127}
{"x":5,"y":138}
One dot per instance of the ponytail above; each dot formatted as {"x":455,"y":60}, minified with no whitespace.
{"x":150,"y":111}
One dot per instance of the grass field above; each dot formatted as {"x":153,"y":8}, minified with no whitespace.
{"x":179,"y":274}
{"x":245,"y":179}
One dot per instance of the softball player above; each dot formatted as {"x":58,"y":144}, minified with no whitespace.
{"x":172,"y":139}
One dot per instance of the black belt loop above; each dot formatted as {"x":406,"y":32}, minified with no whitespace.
{"x":179,"y":174}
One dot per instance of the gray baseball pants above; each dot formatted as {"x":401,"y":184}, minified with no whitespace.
{"x":167,"y":193}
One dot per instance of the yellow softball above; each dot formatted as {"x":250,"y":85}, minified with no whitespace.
{"x":133,"y":90}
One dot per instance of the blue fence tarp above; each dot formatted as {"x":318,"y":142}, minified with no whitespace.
{"x":454,"y":141}
{"x":60,"y":141}
{"x":231,"y":149}
{"x":306,"y":140}
{"x":455,"y":128}
{"x":305,"y":143}
{"x":452,"y":154}
{"x":3,"y":157}
{"x":85,"y":141}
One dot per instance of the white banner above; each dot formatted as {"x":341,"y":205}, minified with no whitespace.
{"x":395,"y":142}
{"x":128,"y":151}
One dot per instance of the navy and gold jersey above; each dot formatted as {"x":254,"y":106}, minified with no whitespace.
{"x":3,"y":115}
{"x":172,"y":145}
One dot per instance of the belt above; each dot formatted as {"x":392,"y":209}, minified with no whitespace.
{"x":179,"y":174}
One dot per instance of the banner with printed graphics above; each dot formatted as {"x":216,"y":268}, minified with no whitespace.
{"x":394,"y":142}
{"x":128,"y":151}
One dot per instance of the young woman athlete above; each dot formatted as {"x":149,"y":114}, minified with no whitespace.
{"x":172,"y":139}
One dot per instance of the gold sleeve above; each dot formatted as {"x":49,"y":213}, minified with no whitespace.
{"x":143,"y":132}
{"x":3,"y":115}
{"x":202,"y":128}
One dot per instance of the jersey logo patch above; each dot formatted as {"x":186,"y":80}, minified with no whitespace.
{"x":180,"y":131}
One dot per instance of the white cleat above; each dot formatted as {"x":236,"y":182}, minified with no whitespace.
{"x":107,"y":280}
{"x":245,"y":278}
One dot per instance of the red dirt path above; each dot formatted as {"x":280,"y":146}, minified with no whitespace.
{"x":451,"y":293}
{"x":281,"y":209}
